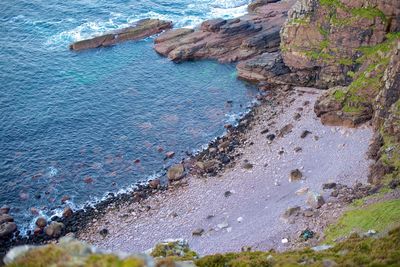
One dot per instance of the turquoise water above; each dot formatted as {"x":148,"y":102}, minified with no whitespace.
{"x":76,"y":124}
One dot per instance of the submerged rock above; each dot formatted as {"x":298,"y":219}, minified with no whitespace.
{"x":141,"y":29}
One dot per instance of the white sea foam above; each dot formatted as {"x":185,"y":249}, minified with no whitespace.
{"x":212,"y":9}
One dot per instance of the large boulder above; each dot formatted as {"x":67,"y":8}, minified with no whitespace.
{"x":141,"y":29}
{"x":7,"y":229}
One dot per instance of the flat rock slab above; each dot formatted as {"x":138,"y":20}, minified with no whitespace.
{"x":141,"y":29}
{"x":229,"y":40}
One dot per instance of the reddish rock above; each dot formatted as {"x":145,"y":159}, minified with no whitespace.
{"x":5,"y":209}
{"x":140,"y":30}
{"x":67,"y":212}
{"x":6,"y":218}
{"x":154,"y":183}
{"x":7,"y":229}
{"x":41,"y":222}
{"x":228,"y":40}
{"x":64,"y":199}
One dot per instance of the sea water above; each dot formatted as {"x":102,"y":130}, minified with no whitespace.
{"x":76,"y":126}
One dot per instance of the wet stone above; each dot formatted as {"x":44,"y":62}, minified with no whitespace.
{"x":295,"y":175}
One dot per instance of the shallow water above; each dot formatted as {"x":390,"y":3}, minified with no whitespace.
{"x":77,"y":124}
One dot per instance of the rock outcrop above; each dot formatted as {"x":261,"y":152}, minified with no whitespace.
{"x":141,"y":29}
{"x":229,"y":40}
{"x":325,"y":36}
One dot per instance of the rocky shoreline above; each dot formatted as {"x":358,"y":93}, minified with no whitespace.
{"x":214,"y":162}
{"x":278,"y":45}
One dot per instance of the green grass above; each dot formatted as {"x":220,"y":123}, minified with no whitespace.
{"x":377,"y":216}
{"x":354,"y":251}
{"x":369,"y":13}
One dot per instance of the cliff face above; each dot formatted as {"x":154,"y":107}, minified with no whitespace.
{"x":351,"y":47}
{"x":324,"y":36}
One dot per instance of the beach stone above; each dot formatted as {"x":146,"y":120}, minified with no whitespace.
{"x":329,"y":186}
{"x":7,"y":229}
{"x":289,"y":213}
{"x":305,"y":133}
{"x":227,"y":193}
{"x":315,"y":200}
{"x":198,"y":232}
{"x":302,"y":191}
{"x":308,"y":213}
{"x":285,"y":130}
{"x":176,"y":172}
{"x":37,"y":231}
{"x":4,"y":209}
{"x":247,"y":166}
{"x":67,"y":212}
{"x":154,"y":183}
{"x":54,"y":229}
{"x":103,"y":232}
{"x":297,"y":149}
{"x":6,"y":218}
{"x":41,"y":222}
{"x":295,"y":175}
{"x":297,"y":116}
{"x":271,"y":137}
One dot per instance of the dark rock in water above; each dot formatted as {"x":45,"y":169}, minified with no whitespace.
{"x":198,"y":232}
{"x":142,"y":29}
{"x":329,"y":186}
{"x":67,"y":212}
{"x":65,"y":199}
{"x":55,"y":229}
{"x":5,"y":209}
{"x":176,"y":172}
{"x":295,"y":175}
{"x":41,"y":222}
{"x":7,"y":229}
{"x":305,"y":133}
{"x":6,"y":218}
{"x":103,"y":232}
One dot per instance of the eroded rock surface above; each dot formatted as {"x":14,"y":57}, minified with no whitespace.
{"x":142,"y":29}
{"x":228,"y":40}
